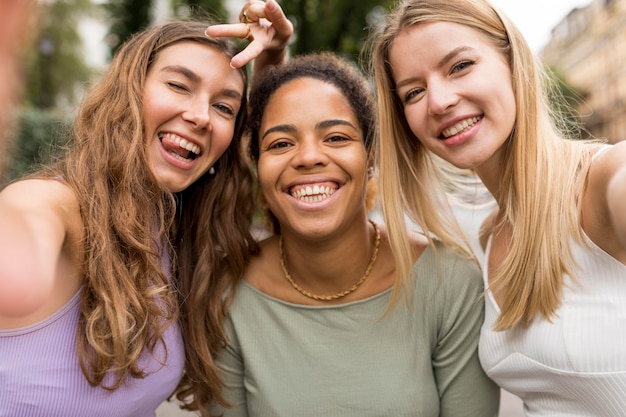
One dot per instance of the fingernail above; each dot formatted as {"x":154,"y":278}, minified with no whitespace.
{"x":271,"y":5}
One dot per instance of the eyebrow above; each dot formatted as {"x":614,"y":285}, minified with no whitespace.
{"x":182,"y":70}
{"x":334,"y":122}
{"x":453,"y":53}
{"x":440,"y":64}
{"x":193,"y":77}
{"x":287,"y":128}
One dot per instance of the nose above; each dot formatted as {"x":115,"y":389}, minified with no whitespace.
{"x":198,"y":112}
{"x":441,"y":97}
{"x":309,"y":153}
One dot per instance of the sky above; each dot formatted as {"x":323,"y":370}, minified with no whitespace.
{"x":536,"y":18}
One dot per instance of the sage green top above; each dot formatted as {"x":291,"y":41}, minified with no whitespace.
{"x":292,"y":360}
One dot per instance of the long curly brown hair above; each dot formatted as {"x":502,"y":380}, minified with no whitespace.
{"x":130,"y":226}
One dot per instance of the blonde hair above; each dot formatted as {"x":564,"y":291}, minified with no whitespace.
{"x":543,"y":214}
{"x":131,"y":227}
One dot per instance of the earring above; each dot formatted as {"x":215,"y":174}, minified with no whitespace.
{"x":211,"y":171}
{"x":370,"y":172}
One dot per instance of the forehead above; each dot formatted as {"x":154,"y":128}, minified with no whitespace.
{"x":208,"y":62}
{"x":307,"y":96}
{"x":429,"y":37}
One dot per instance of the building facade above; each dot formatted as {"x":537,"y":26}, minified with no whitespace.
{"x":589,"y":47}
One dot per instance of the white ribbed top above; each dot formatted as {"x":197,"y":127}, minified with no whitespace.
{"x":576,"y":364}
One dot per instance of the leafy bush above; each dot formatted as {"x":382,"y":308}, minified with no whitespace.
{"x":40,"y":135}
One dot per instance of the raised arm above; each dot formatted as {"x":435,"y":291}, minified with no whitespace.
{"x":270,"y":33}
{"x":34,"y":219}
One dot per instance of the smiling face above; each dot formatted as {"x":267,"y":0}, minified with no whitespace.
{"x":457,"y":92}
{"x":312,"y":163}
{"x":191,"y":100}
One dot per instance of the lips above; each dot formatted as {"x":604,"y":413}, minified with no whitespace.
{"x":179,"y":147}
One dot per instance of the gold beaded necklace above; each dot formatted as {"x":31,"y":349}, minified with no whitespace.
{"x":283,"y":264}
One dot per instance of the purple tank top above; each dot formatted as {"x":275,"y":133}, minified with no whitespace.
{"x":40,"y":375}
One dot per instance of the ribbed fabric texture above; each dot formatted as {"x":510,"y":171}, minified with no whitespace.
{"x":576,"y":365}
{"x":286,"y":360}
{"x":40,"y":375}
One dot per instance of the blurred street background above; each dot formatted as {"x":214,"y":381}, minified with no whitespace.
{"x":582,"y":42}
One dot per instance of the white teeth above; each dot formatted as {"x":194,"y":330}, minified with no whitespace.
{"x":460,"y":126}
{"x":183,"y":143}
{"x":314,"y":193}
{"x":177,"y":156}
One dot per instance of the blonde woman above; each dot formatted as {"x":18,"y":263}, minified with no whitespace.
{"x":456,"y":79}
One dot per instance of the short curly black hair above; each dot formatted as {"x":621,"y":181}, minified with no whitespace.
{"x":323,"y":66}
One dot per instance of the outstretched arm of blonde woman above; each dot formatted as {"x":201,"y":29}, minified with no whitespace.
{"x":270,"y":33}
{"x":616,"y":194}
{"x":34,"y":219}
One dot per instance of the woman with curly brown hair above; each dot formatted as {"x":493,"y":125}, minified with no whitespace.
{"x":106,"y":255}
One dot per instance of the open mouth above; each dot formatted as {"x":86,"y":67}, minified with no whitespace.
{"x":312,"y":193}
{"x":178,"y":147}
{"x":459,"y":127}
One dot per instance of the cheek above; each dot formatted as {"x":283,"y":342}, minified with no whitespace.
{"x":222,"y":137}
{"x":266,"y":178}
{"x":413,"y":117}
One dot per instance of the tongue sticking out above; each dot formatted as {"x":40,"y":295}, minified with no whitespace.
{"x":172,"y":146}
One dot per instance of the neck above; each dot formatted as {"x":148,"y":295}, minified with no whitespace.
{"x":322,"y":268}
{"x":490,"y":173}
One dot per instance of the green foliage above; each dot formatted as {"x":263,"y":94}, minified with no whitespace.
{"x":340,"y":26}
{"x":201,"y":8}
{"x":40,"y":135}
{"x":127,"y":17}
{"x":56,"y":64}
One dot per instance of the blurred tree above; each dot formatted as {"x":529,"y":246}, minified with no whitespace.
{"x":340,"y":26}
{"x":127,"y":17}
{"x":201,"y":8}
{"x":56,"y":64}
{"x":131,"y":16}
{"x":41,"y":136}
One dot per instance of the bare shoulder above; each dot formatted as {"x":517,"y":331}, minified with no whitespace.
{"x":604,"y":200}
{"x":602,"y":170}
{"x":35,"y":192}
{"x":40,"y":241}
{"x":608,"y":162}
{"x":46,"y":199}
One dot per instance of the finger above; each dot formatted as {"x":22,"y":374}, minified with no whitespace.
{"x":248,"y":54}
{"x":235,"y":30}
{"x":274,"y":13}
{"x":226,"y":30}
{"x":253,"y":10}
